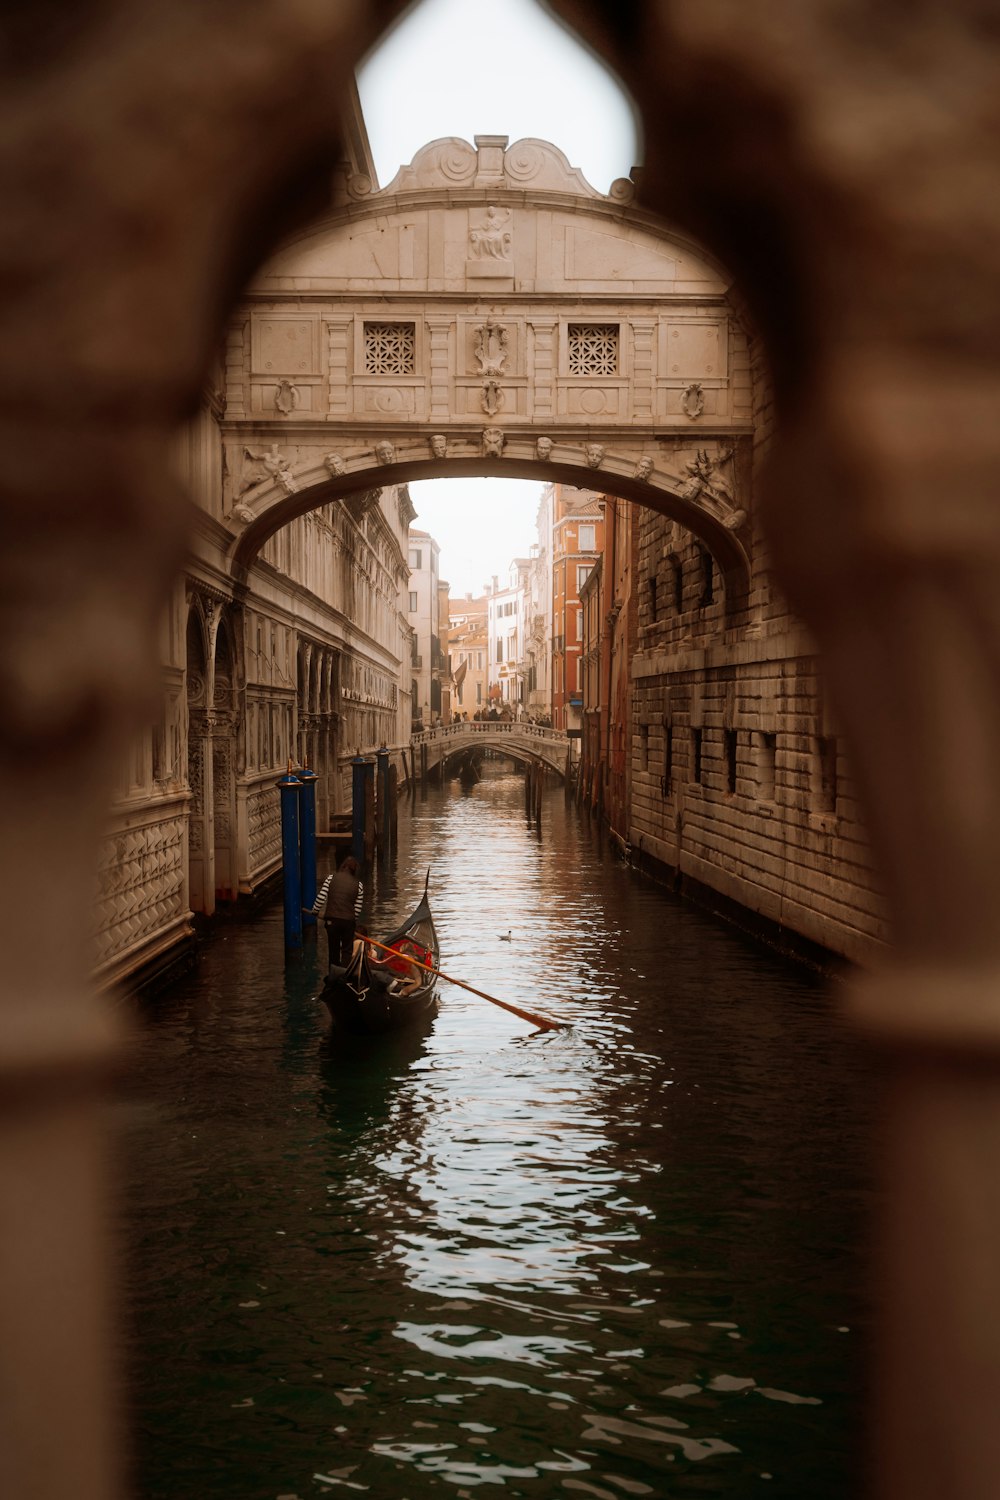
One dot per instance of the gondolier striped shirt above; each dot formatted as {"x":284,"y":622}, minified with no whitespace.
{"x":319,"y":905}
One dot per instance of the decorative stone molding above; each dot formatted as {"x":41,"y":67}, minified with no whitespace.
{"x":493,"y":442}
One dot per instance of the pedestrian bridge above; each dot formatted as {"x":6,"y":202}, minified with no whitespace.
{"x":521,"y":741}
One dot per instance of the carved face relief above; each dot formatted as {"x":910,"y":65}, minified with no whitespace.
{"x":439,"y":445}
{"x":594,"y":454}
{"x":644,"y":468}
{"x":493,"y":441}
{"x":335,"y":464}
{"x":543,"y":447}
{"x":385,"y":452}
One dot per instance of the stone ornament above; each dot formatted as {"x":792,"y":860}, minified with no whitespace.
{"x":336,"y":464}
{"x":493,"y":441}
{"x":385,"y":452}
{"x":643,"y":468}
{"x":594,"y":454}
{"x":491,"y":241}
{"x":693,"y":400}
{"x":286,"y":397}
{"x":735,"y":520}
{"x":543,"y":447}
{"x":622,"y":190}
{"x":492,"y":398}
{"x":272,"y":466}
{"x":706,"y":476}
{"x":491,"y":346}
{"x":439,"y":445}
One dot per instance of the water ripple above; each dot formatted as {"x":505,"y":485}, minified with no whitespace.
{"x":618,"y":1259}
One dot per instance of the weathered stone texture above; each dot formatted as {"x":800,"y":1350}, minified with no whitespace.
{"x":777,"y":829}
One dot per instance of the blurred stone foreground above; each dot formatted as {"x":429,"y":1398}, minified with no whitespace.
{"x":841,"y":159}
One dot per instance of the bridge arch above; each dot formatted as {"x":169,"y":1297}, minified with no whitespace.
{"x":521,"y":741}
{"x":490,"y":313}
{"x":723,"y":529}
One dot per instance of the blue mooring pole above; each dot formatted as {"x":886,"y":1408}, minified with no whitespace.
{"x":290,"y":788}
{"x":384,"y":822}
{"x":307,"y":842}
{"x":359,"y":771}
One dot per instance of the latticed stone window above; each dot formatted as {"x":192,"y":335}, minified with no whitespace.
{"x":390,"y":348}
{"x":593,"y":348}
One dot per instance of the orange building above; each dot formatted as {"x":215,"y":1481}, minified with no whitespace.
{"x":577,"y":542}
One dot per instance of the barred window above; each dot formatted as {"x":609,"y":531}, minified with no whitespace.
{"x":593,"y":348}
{"x":390,"y":348}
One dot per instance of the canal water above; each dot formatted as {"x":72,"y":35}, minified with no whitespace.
{"x":621,"y":1259}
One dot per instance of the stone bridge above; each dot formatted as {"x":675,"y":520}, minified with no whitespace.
{"x":521,"y":741}
{"x":490,"y":313}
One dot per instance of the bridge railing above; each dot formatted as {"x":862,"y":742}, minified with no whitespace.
{"x":486,"y":727}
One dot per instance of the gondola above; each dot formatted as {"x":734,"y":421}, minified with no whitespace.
{"x":372,"y":996}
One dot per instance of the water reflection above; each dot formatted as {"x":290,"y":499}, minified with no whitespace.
{"x":611,"y":1260}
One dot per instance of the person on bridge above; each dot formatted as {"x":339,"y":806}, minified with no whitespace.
{"x":338,"y":900}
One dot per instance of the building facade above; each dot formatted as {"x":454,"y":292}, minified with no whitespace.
{"x":506,"y":614}
{"x":469,"y":651}
{"x":423,"y":555}
{"x":577,"y":542}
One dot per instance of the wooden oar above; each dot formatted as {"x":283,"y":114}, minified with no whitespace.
{"x":526,"y":1015}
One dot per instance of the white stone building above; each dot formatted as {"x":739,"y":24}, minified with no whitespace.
{"x":506,"y":616}
{"x":422,"y":614}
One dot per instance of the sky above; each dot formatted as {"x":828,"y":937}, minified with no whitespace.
{"x":481,"y":525}
{"x":489,"y":67}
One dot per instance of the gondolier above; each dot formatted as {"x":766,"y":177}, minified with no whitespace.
{"x":338,"y":902}
{"x":383,"y":988}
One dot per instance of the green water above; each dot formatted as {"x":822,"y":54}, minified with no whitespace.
{"x":618,"y":1260}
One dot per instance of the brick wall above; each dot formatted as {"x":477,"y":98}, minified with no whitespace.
{"x":740,"y":784}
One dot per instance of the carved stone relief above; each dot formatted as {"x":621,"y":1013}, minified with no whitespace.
{"x":385,"y":452}
{"x":493,"y":441}
{"x":707,"y":476}
{"x":693,"y":400}
{"x":492,"y":339}
{"x":270,"y":466}
{"x":286,"y":397}
{"x":594,"y":454}
{"x":336,"y":464}
{"x":543,"y":447}
{"x":492,"y":398}
{"x":490,"y":246}
{"x":491,"y":240}
{"x":439,"y":445}
{"x":140,"y":880}
{"x":643,"y":468}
